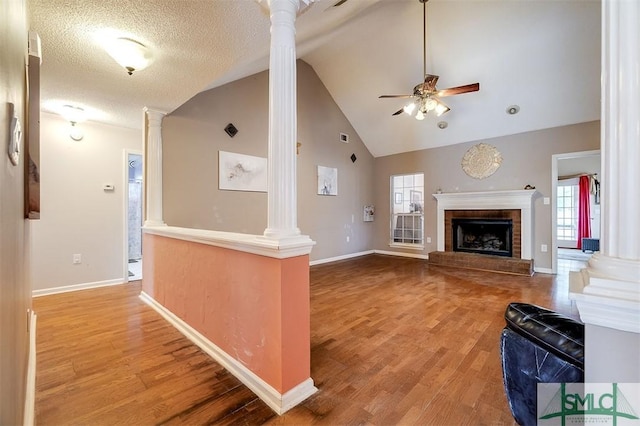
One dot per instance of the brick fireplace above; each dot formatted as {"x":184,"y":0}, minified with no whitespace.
{"x":487,"y":208}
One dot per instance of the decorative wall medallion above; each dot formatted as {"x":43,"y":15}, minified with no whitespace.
{"x":481,"y":161}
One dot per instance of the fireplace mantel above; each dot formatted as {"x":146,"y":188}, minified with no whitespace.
{"x":490,"y":200}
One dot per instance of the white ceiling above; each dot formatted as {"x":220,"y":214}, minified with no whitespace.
{"x":542,"y":55}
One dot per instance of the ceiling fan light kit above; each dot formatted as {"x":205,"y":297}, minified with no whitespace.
{"x":425,"y":95}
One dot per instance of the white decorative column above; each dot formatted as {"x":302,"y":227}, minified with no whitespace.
{"x":282,"y":188}
{"x":153,"y":166}
{"x":607,"y":292}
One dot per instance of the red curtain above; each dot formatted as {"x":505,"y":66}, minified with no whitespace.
{"x":584,"y":215}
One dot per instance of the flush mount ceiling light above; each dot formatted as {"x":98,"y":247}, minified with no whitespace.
{"x":129,"y":53}
{"x":74,"y":115}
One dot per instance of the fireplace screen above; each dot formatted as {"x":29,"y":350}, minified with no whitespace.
{"x":484,"y":236}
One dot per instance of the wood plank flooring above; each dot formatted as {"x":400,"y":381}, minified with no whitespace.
{"x":393,"y":341}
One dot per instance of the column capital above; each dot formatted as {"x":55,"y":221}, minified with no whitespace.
{"x":154,"y":116}
{"x":300,"y":5}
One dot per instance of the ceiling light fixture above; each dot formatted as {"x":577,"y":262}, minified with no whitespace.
{"x":74,"y":115}
{"x":129,"y":53}
{"x":513,"y":109}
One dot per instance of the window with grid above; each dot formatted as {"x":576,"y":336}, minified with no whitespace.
{"x":567,"y":217}
{"x":407,"y":210}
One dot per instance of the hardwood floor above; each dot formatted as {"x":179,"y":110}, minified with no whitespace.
{"x":393,"y":341}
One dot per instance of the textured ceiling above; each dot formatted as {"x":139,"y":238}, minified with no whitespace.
{"x":541,"y":55}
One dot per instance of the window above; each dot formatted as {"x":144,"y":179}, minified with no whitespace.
{"x":567,"y":218}
{"x":407,"y":215}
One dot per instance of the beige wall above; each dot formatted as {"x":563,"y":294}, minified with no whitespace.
{"x":526,"y":160}
{"x":193,"y":135}
{"x":15,"y":292}
{"x":78,"y":216}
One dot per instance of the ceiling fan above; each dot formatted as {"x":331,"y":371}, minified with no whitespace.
{"x":426,"y":95}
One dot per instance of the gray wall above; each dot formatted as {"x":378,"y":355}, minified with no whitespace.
{"x":193,"y":135}
{"x":15,"y":292}
{"x":526,"y":160}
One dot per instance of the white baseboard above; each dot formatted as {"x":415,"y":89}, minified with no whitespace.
{"x":343,"y":257}
{"x":364,"y":253}
{"x":75,"y":287}
{"x":30,"y":396}
{"x":543,"y":270}
{"x":402,"y":254}
{"x":278,"y":402}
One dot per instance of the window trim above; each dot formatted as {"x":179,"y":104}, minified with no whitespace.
{"x":393,"y":199}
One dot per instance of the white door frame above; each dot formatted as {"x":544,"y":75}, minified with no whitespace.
{"x":554,"y":200}
{"x":125,"y":212}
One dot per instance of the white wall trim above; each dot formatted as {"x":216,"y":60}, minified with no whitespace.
{"x":343,"y":257}
{"x":543,"y":270}
{"x":278,"y":402}
{"x":257,"y":244}
{"x":30,"y":393}
{"x":402,"y":254}
{"x":76,"y":287}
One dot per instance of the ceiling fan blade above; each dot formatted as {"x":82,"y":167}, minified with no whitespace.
{"x":396,"y":96}
{"x":459,"y":90}
{"x":400,"y":111}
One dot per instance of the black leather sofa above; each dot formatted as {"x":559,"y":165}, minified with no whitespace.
{"x":538,"y":346}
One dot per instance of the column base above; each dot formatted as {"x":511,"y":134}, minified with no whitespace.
{"x":286,"y":243}
{"x":607,"y":293}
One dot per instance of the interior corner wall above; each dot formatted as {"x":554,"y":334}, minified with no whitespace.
{"x":526,"y":160}
{"x":77,"y":215}
{"x":193,"y":134}
{"x":15,"y":291}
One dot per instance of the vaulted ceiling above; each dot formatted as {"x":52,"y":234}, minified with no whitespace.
{"x":543,"y":56}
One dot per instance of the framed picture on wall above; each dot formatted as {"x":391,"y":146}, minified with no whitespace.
{"x":369,"y":211}
{"x":327,"y":181}
{"x":239,"y":172}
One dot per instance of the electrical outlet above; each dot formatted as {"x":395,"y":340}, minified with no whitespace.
{"x":77,"y":259}
{"x":348,"y":238}
{"x":428,"y":240}
{"x":543,"y":248}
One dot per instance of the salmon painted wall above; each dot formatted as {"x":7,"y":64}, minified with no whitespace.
{"x":252,"y":307}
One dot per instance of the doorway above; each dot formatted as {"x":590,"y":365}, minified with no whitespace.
{"x":569,"y":165}
{"x":134,"y":203}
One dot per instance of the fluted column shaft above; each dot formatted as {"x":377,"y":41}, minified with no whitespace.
{"x":621,"y":129}
{"x":153,"y":166}
{"x":282,"y":198}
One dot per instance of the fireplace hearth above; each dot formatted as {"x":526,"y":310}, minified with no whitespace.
{"x":483,"y":236}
